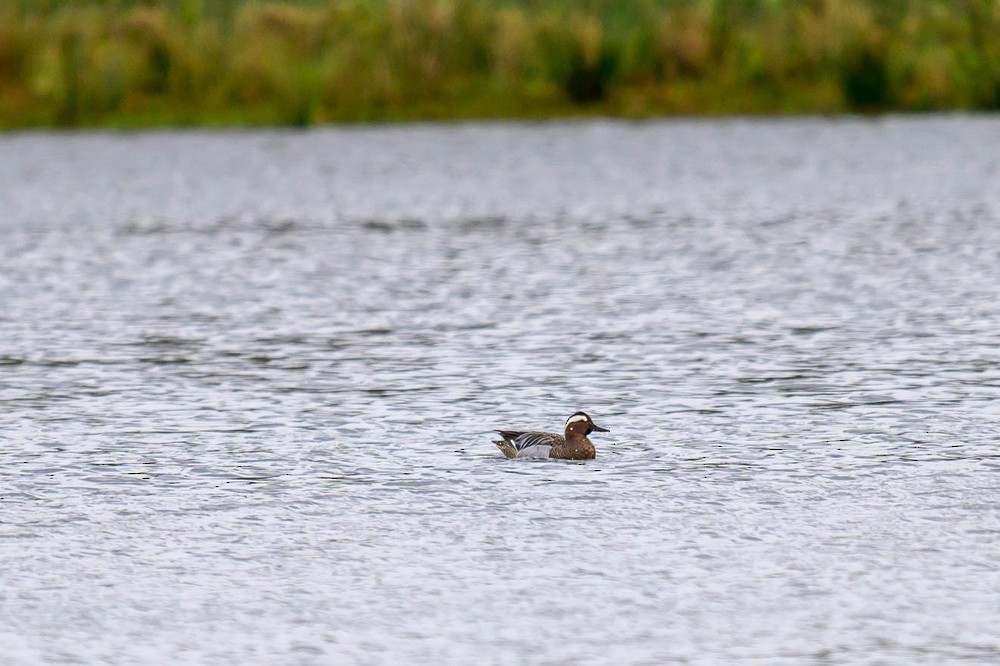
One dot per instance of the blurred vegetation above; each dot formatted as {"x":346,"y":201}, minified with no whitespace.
{"x":180,"y":62}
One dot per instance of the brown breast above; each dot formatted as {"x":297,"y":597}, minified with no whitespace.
{"x":575,"y":448}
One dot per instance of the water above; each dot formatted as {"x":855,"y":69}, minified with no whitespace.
{"x":247,"y":381}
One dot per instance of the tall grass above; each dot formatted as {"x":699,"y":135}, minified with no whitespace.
{"x":133,"y":63}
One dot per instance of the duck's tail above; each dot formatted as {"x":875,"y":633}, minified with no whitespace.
{"x":506,"y":447}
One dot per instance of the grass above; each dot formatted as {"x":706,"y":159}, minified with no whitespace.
{"x":122,"y":63}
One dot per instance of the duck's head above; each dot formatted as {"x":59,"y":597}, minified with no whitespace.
{"x":581,"y":424}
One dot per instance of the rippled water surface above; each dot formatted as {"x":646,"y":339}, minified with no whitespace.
{"x":247,"y":381}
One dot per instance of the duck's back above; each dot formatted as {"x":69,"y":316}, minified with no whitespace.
{"x":519,"y":444}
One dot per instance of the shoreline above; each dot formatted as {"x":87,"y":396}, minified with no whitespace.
{"x":122,"y":64}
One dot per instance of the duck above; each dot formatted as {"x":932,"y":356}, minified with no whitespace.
{"x":574,"y":445}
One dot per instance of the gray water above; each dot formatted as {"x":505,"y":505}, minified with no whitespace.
{"x":247,"y":383}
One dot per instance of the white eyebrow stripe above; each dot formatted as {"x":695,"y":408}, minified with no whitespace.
{"x":575,"y":418}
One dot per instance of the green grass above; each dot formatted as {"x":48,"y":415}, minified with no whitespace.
{"x":129,"y":63}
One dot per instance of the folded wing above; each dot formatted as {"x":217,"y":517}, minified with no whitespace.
{"x":517,"y":444}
